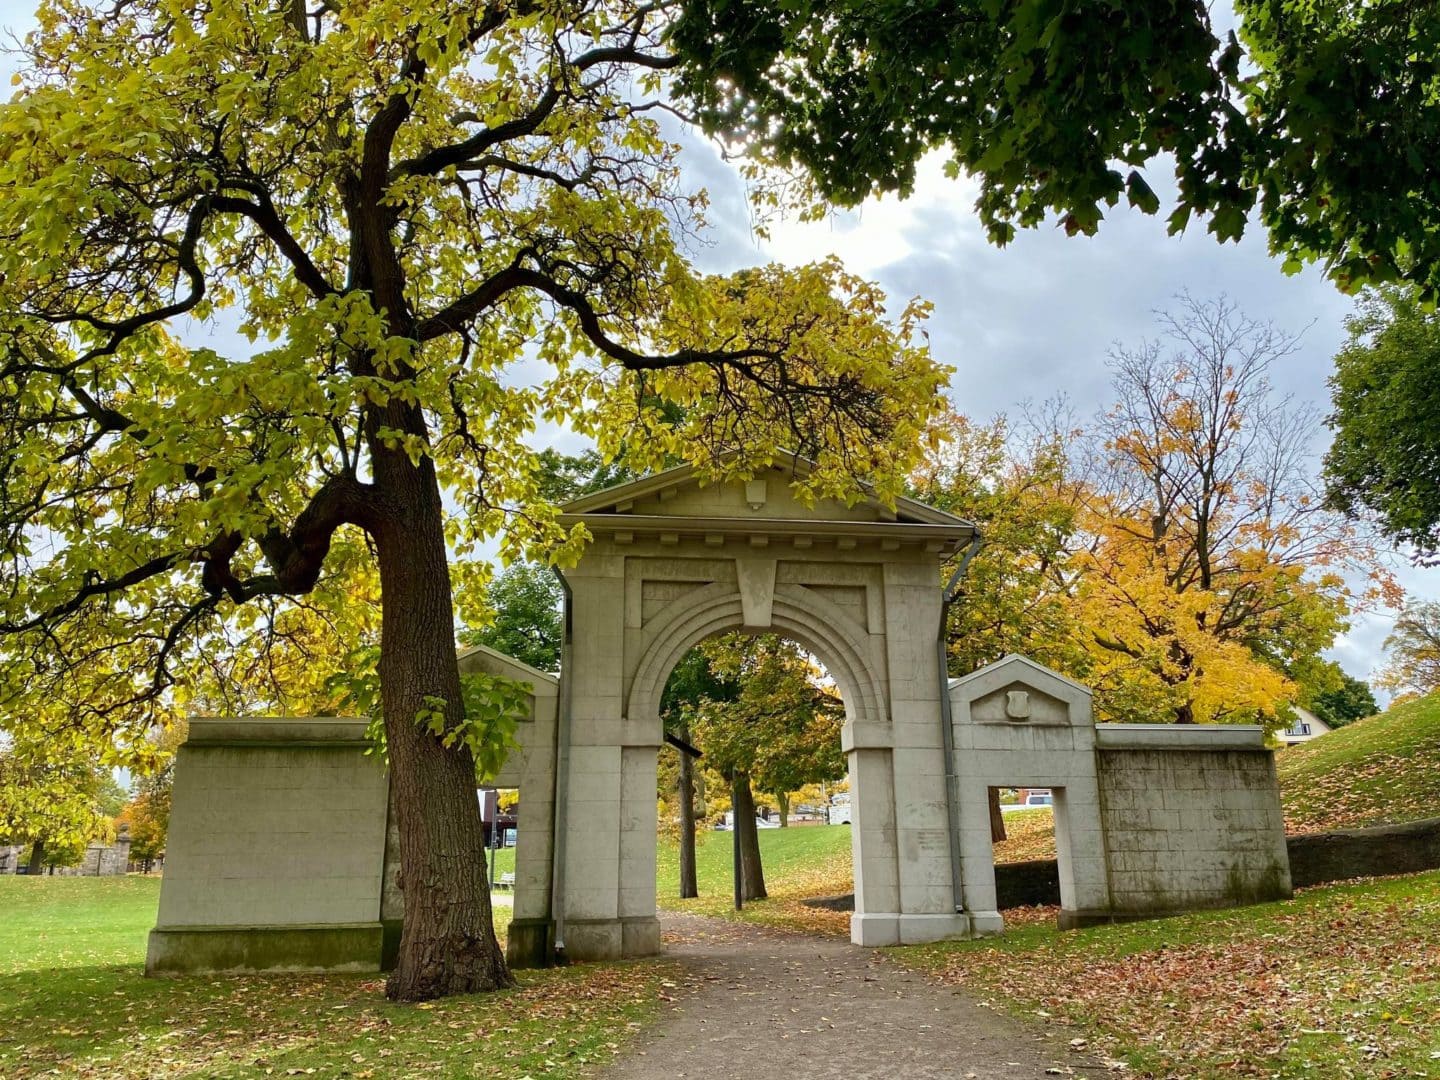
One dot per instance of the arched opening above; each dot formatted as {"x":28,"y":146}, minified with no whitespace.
{"x":839,"y":647}
{"x":769,"y":790}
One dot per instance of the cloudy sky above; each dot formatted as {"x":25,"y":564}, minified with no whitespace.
{"x":1034,"y":320}
{"x":1037,"y":319}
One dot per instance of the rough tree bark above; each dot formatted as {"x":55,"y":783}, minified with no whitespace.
{"x":752,"y":874}
{"x":783,"y":801}
{"x":689,"y":886}
{"x":37,"y":858}
{"x":448,"y":944}
{"x":997,"y":817}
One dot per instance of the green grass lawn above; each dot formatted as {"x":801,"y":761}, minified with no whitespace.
{"x":74,"y":1002}
{"x":1377,"y":771}
{"x":1342,"y":981}
{"x":809,"y":860}
{"x":800,"y":862}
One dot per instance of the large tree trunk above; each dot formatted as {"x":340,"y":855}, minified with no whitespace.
{"x":448,"y":945}
{"x":783,"y":801}
{"x":37,"y":858}
{"x":752,"y":875}
{"x":688,"y":883}
{"x":997,"y":817}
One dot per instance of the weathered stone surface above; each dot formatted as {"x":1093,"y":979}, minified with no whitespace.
{"x":1387,"y":849}
{"x":1193,"y":824}
{"x":265,"y":948}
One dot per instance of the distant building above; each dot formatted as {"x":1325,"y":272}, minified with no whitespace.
{"x":1303,"y":728}
{"x":10,"y":858}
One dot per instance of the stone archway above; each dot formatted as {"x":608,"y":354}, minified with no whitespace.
{"x":673,"y":562}
{"x":1154,"y":818}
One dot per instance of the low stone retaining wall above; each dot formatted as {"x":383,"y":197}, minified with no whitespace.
{"x":1315,"y":858}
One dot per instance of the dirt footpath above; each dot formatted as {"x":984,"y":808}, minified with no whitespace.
{"x":761,"y":1003}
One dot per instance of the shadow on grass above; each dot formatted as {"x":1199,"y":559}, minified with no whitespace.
{"x":112,"y":1021}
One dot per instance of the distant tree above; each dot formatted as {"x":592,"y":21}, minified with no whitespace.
{"x":1211,"y":568}
{"x":526,"y":604}
{"x":562,"y":478}
{"x":1385,"y":459}
{"x":1321,"y":119}
{"x":1350,"y":701}
{"x":148,"y":812}
{"x":1414,"y":647}
{"x":54,"y":800}
{"x":693,"y":681}
{"x":779,"y":733}
{"x":1015,"y":482}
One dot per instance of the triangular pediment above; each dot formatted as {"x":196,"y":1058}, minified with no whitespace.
{"x":680,"y":493}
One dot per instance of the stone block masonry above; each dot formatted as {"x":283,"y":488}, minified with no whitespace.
{"x":1150,"y":819}
{"x":275,"y":859}
{"x":1191,"y":817}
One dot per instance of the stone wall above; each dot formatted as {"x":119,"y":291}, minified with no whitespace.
{"x":275,"y":854}
{"x":1315,"y":859}
{"x":1189,"y":825}
{"x":102,"y":860}
{"x":283,"y":853}
{"x":1387,"y":849}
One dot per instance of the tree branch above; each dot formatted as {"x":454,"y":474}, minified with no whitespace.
{"x":264,"y":215}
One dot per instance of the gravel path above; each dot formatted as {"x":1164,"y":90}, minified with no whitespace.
{"x":759,"y":1003}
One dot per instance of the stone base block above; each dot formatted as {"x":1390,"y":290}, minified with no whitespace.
{"x":612,"y":939}
{"x":986,"y":923}
{"x":346,"y":947}
{"x":876,"y":930}
{"x":530,"y":943}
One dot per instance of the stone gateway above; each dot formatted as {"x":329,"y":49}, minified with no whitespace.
{"x":282,"y":854}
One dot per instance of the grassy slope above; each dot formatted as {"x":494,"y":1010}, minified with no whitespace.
{"x":1343,"y":981}
{"x":1373,"y":772}
{"x":73,"y":1000}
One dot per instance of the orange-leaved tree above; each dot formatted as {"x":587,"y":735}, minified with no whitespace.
{"x":1211,"y":576}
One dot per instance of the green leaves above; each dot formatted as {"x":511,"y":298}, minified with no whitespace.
{"x":1385,"y":458}
{"x":493,"y":708}
{"x":1321,"y":120}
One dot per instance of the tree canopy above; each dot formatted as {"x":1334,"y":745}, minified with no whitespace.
{"x":1385,"y":460}
{"x":269,"y":279}
{"x":1321,"y":119}
{"x":525,"y":618}
{"x":1344,"y":701}
{"x":1174,"y":552}
{"x":1414,"y":647}
{"x":772,"y":719}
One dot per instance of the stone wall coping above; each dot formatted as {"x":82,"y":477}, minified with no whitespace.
{"x":285,"y":730}
{"x":1179,"y":737}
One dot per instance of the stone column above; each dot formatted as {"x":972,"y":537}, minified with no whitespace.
{"x":904,"y":891}
{"x":609,"y":815}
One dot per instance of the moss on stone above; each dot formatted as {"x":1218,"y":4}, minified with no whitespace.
{"x":180,"y":950}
